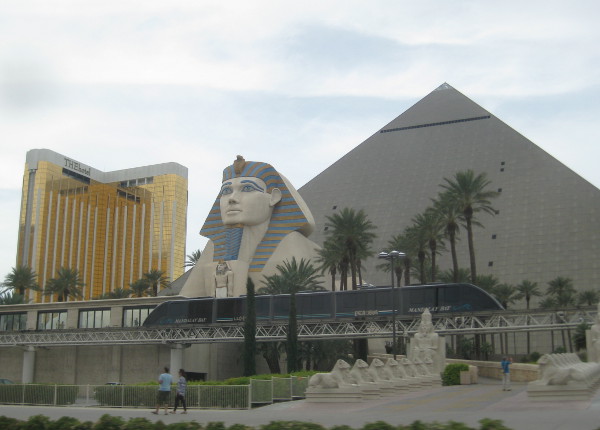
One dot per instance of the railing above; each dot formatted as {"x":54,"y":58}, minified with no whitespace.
{"x":445,"y":324}
{"x":259,"y":392}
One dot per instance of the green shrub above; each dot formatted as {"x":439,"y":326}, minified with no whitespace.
{"x":451,"y":375}
{"x":38,"y":394}
{"x":9,"y":423}
{"x":291,"y":425}
{"x":378,"y":425}
{"x":36,"y":422}
{"x":64,"y":423}
{"x":108,"y":422}
{"x":239,"y":427}
{"x":215,"y":426}
{"x":342,"y":427}
{"x":139,"y":424}
{"x":489,"y":424}
{"x":191,"y":425}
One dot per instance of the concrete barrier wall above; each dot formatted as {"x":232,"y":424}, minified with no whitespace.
{"x":519,"y":372}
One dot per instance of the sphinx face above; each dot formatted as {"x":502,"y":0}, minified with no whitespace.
{"x":245,"y":201}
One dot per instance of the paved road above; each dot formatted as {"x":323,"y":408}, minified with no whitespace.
{"x":467,"y":404}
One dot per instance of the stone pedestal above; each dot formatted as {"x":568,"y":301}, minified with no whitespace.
{"x":334,"y":395}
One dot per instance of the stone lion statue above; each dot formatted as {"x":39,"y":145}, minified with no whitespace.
{"x":338,"y":377}
{"x":360,"y":372}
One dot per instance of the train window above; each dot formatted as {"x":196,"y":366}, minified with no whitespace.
{"x":262,"y":306}
{"x":422,"y":297}
{"x":449,"y":294}
{"x":281,"y":307}
{"x":230,"y":309}
{"x":314,"y":305}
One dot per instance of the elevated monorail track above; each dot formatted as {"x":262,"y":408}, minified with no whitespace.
{"x":445,"y":324}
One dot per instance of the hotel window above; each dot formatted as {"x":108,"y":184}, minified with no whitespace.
{"x":13,"y":322}
{"x":56,"y":320}
{"x":96,"y":318}
{"x":135,"y":317}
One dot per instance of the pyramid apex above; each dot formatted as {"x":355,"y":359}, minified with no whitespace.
{"x":444,"y":86}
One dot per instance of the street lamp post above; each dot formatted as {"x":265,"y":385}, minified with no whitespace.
{"x":393,"y":255}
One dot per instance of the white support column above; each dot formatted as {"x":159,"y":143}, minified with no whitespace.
{"x":28,"y":365}
{"x":177,"y":357}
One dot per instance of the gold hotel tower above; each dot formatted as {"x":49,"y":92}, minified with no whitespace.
{"x":111,"y":226}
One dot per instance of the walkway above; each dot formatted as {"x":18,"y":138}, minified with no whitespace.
{"x":467,"y":404}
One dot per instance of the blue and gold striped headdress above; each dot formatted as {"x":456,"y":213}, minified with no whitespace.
{"x":288,"y":216}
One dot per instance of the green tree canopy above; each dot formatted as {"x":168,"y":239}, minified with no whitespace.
{"x":21,"y":279}
{"x":354,"y":233}
{"x":67,"y":284}
{"x":192,"y":258}
{"x":156,"y":279}
{"x":526,"y":290}
{"x":471,"y":194}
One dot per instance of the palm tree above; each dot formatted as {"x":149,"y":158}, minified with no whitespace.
{"x":449,"y":213}
{"x":353,"y":232}
{"x":430,"y":228}
{"x":399,"y":242}
{"x":470,"y":193}
{"x":418,"y":246}
{"x":292,"y":277}
{"x":527,"y":290}
{"x":139,"y":288}
{"x":6,"y":298}
{"x":488,"y":283}
{"x":463,"y":275}
{"x":67,"y":284}
{"x":20,"y":279}
{"x":156,"y":279}
{"x":562,"y":291}
{"x":329,"y":259}
{"x":118,"y":293}
{"x":505,"y":294}
{"x":192,"y":258}
{"x":588,"y":297}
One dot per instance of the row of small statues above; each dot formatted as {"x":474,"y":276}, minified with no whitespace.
{"x":363,"y":374}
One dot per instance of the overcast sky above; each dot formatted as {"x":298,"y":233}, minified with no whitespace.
{"x":119,"y":84}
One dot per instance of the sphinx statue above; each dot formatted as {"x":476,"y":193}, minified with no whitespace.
{"x":338,"y":377}
{"x":336,"y":386}
{"x":426,"y":346}
{"x":257,"y":222}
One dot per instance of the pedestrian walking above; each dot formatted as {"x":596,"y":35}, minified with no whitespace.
{"x":180,"y":394}
{"x":164,"y":391}
{"x":505,"y":363}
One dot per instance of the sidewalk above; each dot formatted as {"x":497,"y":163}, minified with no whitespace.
{"x":467,"y":404}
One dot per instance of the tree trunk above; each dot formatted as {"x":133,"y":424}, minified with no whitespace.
{"x":272,"y":358}
{"x":433,"y":248}
{"x":452,"y":235}
{"x":471,"y":250}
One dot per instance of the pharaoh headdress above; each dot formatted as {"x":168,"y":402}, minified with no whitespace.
{"x":290,"y":214}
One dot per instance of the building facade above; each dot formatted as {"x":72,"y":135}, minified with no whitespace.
{"x":547,"y":216}
{"x":111,"y":226}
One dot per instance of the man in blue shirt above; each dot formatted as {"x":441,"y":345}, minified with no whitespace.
{"x":164,"y":391}
{"x":505,"y":363}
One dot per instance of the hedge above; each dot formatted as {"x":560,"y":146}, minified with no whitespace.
{"x":108,"y":422}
